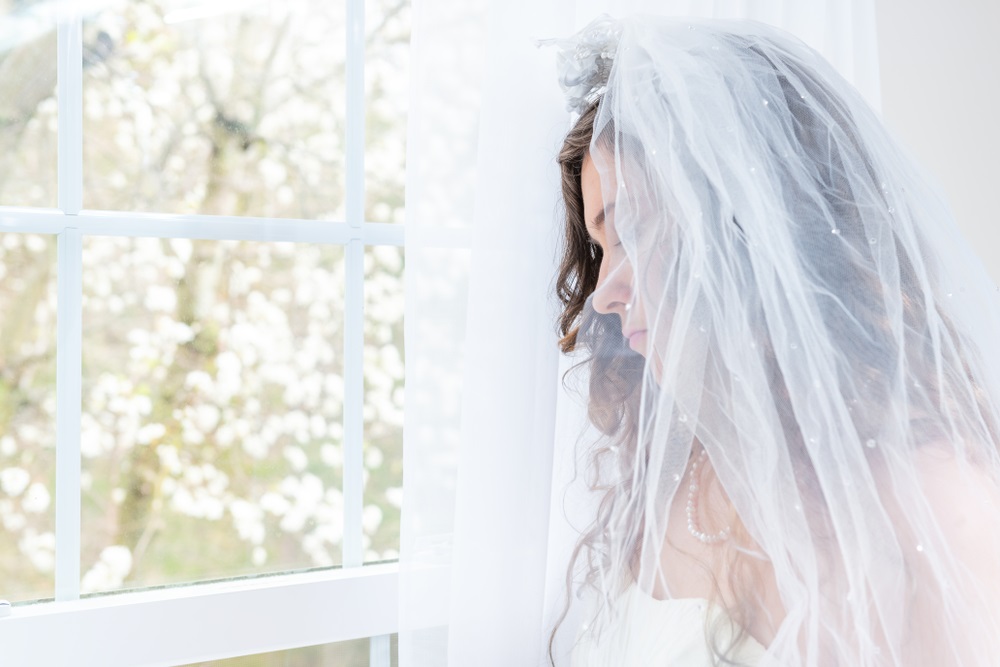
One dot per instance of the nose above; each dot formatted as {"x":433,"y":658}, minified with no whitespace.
{"x":613,"y":293}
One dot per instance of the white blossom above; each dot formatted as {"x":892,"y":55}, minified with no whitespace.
{"x":14,"y":480}
{"x":37,"y":499}
{"x":110,"y":570}
{"x":40,"y":548}
{"x":170,"y":459}
{"x":259,"y":556}
{"x":296,"y":458}
{"x":371,"y":518}
{"x":248,"y":521}
{"x":274,"y":503}
{"x":373,"y":457}
{"x":395,"y":496}
{"x":147,"y":433}
{"x":13,"y":521}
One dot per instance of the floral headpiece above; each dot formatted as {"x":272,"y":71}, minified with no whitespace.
{"x":585,"y":60}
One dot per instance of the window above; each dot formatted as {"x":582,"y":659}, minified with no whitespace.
{"x":201,"y":360}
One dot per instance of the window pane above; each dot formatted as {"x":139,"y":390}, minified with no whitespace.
{"x":383,"y":401}
{"x":386,"y":93}
{"x":212,"y":416}
{"x":230,"y":108}
{"x":28,"y":107}
{"x":27,"y":415}
{"x":341,"y":654}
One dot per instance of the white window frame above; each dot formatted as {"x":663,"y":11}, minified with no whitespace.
{"x":197,"y":622}
{"x":185,"y":624}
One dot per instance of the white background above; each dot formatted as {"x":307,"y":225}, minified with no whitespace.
{"x":941,"y":98}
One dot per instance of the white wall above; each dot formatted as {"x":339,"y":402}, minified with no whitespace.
{"x":940,"y":77}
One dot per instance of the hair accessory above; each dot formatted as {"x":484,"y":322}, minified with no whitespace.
{"x":585,"y":60}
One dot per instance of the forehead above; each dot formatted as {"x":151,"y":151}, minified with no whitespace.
{"x":590,"y":187}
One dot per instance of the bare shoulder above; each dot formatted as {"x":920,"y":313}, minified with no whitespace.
{"x":963,"y":489}
{"x":965,"y":500}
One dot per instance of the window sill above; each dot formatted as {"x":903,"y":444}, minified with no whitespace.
{"x":184,"y":624}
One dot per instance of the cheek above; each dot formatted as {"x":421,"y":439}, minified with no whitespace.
{"x":655,"y":308}
{"x":649,"y":285}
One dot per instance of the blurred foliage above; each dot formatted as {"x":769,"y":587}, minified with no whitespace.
{"x":213,"y":372}
{"x":27,"y":414}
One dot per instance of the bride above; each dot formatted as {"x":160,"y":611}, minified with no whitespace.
{"x":791,"y":359}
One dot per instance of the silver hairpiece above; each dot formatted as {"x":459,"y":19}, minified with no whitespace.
{"x":585,"y":61}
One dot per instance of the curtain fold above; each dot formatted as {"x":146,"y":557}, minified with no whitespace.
{"x":447,"y":58}
{"x":489,"y":430}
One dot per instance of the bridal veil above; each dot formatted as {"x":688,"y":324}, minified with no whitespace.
{"x":813,"y":320}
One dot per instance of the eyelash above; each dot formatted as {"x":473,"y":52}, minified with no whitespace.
{"x":595,"y":248}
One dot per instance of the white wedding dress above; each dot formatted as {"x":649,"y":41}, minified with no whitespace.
{"x":656,"y":633}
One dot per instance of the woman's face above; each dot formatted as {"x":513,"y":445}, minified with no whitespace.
{"x":615,"y":292}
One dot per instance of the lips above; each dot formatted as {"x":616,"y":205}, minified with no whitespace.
{"x":636,"y":339}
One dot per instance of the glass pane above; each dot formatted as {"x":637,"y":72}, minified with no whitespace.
{"x":27,"y":416}
{"x":387,"y":69}
{"x":212,"y":416}
{"x":340,"y":654}
{"x":28,"y":106}
{"x":383,"y":402}
{"x":230,"y":108}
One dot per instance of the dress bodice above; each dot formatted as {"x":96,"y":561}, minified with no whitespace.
{"x":647,"y":632}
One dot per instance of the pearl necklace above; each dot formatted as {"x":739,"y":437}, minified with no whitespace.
{"x":692,"y":508}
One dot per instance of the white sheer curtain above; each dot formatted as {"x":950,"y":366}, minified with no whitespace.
{"x":484,"y":535}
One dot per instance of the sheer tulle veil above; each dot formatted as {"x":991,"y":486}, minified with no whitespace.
{"x":813,"y":320}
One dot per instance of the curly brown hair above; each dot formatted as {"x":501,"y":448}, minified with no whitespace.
{"x":615,"y":371}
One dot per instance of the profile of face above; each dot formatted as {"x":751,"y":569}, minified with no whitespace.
{"x":615,"y":293}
